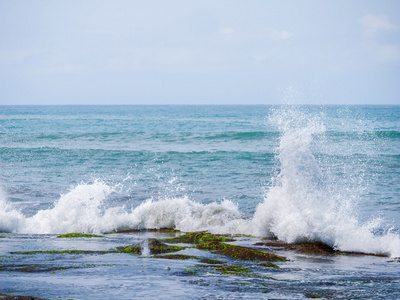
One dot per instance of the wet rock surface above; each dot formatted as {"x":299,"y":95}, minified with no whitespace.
{"x":154,"y":246}
{"x":310,"y":248}
{"x":210,"y":259}
{"x":12,"y":297}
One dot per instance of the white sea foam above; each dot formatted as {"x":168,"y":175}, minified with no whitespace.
{"x":83,"y":210}
{"x":10,"y":219}
{"x":80,"y":210}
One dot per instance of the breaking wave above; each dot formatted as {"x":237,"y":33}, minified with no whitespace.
{"x":306,"y":205}
{"x":82,"y":210}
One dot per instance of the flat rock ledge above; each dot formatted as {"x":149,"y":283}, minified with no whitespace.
{"x":13,"y":297}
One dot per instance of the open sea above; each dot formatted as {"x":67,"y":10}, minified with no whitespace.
{"x":295,"y":173}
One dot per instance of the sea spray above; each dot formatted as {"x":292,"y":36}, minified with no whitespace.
{"x":145,"y":248}
{"x":10,"y":219}
{"x":305,"y":205}
{"x":80,"y":210}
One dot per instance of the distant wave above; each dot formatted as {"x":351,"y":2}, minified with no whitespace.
{"x":187,"y":137}
{"x":168,"y":136}
{"x":245,"y":135}
{"x":365,"y":134}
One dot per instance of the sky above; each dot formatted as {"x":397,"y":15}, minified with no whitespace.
{"x":199,"y":52}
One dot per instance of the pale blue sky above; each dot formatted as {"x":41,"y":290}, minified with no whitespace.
{"x":199,"y":52}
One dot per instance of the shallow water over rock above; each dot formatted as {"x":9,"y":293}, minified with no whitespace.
{"x":111,"y":275}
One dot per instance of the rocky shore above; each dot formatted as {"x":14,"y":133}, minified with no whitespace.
{"x":233,"y":259}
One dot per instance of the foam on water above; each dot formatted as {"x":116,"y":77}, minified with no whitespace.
{"x":302,"y":204}
{"x":80,"y":210}
{"x":10,"y":219}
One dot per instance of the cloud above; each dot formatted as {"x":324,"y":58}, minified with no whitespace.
{"x":278,"y":34}
{"x":374,"y":23}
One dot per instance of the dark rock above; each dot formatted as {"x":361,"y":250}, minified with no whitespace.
{"x":239,"y":252}
{"x":310,"y":248}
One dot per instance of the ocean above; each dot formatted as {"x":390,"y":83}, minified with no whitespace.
{"x":286,"y":172}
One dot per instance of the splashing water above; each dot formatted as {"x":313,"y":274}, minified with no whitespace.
{"x":302,"y":205}
{"x":145,"y":248}
{"x":10,"y":219}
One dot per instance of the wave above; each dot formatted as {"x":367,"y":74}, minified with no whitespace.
{"x":164,"y":136}
{"x":303,"y":204}
{"x":83,"y":210}
{"x":356,"y":135}
{"x":241,"y":135}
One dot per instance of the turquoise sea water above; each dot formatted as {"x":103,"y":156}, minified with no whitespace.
{"x":326,"y":173}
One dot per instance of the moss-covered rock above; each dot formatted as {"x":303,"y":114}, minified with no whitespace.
{"x":128,"y":230}
{"x":232,"y":270}
{"x":268,"y":264}
{"x":185,"y":257}
{"x":78,"y":235}
{"x":63,"y":252}
{"x":135,"y":249}
{"x":310,"y":248}
{"x":318,"y":248}
{"x":33,"y":268}
{"x":155,"y":247}
{"x":198,"y":237}
{"x":177,"y":256}
{"x":239,"y":252}
{"x":313,"y":296}
{"x":211,"y":261}
{"x":14,"y":297}
{"x":229,"y":270}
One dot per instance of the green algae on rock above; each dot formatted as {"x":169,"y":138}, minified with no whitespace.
{"x":129,"y":230}
{"x":130,"y":249}
{"x":198,"y":237}
{"x":185,"y":257}
{"x":313,"y":296}
{"x":239,"y":252}
{"x":310,"y":248}
{"x":215,"y":243}
{"x":155,"y":247}
{"x":211,"y":261}
{"x":176,"y":256}
{"x":268,"y":264}
{"x":14,"y":297}
{"x":34,"y":268}
{"x":230,"y":270}
{"x":78,"y":235}
{"x":63,"y":252}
